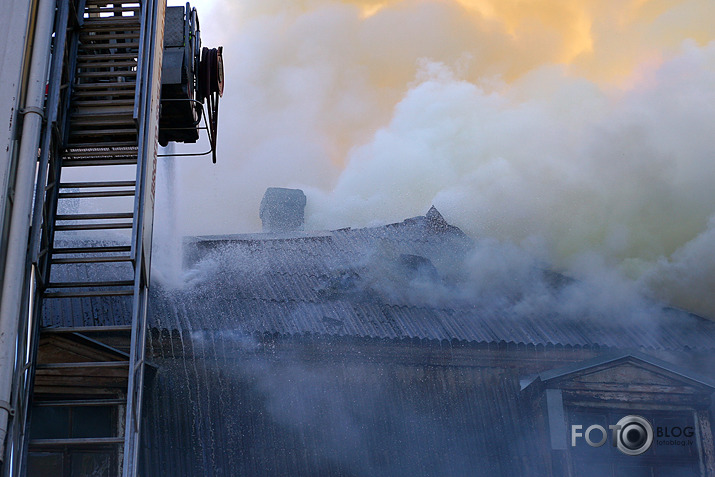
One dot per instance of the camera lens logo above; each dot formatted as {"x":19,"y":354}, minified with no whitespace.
{"x":634,"y":435}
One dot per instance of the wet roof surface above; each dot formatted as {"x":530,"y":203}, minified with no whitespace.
{"x":387,"y":283}
{"x":392,"y":282}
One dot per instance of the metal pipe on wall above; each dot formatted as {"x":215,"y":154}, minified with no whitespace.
{"x":15,"y":31}
{"x":14,"y":275}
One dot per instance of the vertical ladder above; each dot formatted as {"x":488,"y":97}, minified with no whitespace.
{"x":90,"y":233}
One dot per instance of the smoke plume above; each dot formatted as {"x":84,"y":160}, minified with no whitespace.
{"x":585,"y":127}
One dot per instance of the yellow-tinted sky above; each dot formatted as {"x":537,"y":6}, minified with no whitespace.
{"x":585,"y":123}
{"x":603,"y":40}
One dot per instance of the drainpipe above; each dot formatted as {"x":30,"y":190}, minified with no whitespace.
{"x":14,"y":277}
{"x":14,"y":39}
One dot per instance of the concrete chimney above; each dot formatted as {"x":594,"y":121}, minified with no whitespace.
{"x":282,"y":210}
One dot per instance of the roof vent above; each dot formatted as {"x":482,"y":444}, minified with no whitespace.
{"x":282,"y":210}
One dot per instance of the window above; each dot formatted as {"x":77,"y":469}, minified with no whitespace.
{"x":49,"y":455}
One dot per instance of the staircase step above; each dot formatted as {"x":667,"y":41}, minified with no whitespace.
{"x":105,"y":259}
{"x":100,"y":3}
{"x":76,"y":442}
{"x":102,"y":132}
{"x":87,"y":115}
{"x":87,"y":58}
{"x":110,"y":30}
{"x":87,"y":293}
{"x":115,"y":21}
{"x":105,"y":46}
{"x":105,"y":94}
{"x":102,"y":35}
{"x":118,"y":84}
{"x":115,"y":283}
{"x":81,"y":185}
{"x":85,"y":153}
{"x":103,"y":216}
{"x":111,"y":23}
{"x":85,"y":364}
{"x":87,"y":329}
{"x":92,"y":113}
{"x":106,"y":64}
{"x":109,"y":226}
{"x":100,"y":249}
{"x":77,"y":148}
{"x":99,"y":162}
{"x":96,"y":194}
{"x":80,"y":402}
{"x":103,"y":103}
{"x":116,"y":9}
{"x":102,"y":121}
{"x":107,"y":74}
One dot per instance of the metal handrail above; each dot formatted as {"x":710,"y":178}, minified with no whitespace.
{"x":140,"y":63}
{"x":139,"y":307}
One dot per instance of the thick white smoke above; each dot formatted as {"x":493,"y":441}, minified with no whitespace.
{"x":626,"y":174}
{"x":590,"y":139}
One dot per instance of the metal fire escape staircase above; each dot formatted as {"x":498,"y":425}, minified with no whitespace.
{"x":96,"y":173}
{"x":90,"y":247}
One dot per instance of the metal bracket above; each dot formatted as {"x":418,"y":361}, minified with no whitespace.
{"x":206,"y":128}
{"x":7,"y":406}
{"x":34,"y":110}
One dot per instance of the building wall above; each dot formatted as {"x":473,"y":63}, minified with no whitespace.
{"x":345,"y":409}
{"x":315,"y":407}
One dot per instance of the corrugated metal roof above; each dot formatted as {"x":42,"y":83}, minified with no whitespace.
{"x":346,"y":284}
{"x":344,"y":318}
{"x":360,"y":283}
